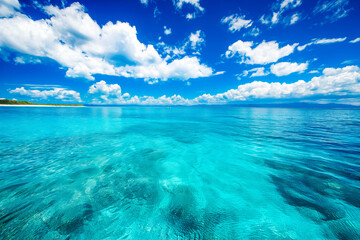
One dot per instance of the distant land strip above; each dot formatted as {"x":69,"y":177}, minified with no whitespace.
{"x":14,"y":102}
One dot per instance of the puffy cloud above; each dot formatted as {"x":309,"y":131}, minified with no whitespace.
{"x":74,"y":40}
{"x":236,"y":23}
{"x":57,"y":93}
{"x":286,"y":68}
{"x":145,"y":2}
{"x":196,"y":39}
{"x":190,"y":16}
{"x":111,"y":94}
{"x":317,"y":41}
{"x":167,"y":31}
{"x":355,"y":40}
{"x":182,"y":69}
{"x":334,"y":83}
{"x":107,"y":89}
{"x":9,"y":7}
{"x":264,"y":53}
{"x":333,"y":10}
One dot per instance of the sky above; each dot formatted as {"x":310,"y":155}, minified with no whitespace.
{"x":180,"y":52}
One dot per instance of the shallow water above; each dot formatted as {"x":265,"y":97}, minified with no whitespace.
{"x":179,"y":173}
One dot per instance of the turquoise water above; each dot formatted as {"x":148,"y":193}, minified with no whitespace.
{"x":179,"y":173}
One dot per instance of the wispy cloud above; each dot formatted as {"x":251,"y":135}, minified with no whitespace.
{"x":332,"y":10}
{"x":318,"y":41}
{"x":236,"y":22}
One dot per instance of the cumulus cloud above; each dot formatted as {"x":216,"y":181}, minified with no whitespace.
{"x":264,"y":53}
{"x":106,"y":91}
{"x":335,"y":83}
{"x":145,"y":2}
{"x":318,"y":41}
{"x":9,"y":7}
{"x":74,"y":40}
{"x":333,"y":10}
{"x":286,"y":68}
{"x":56,"y":93}
{"x":182,"y":69}
{"x":111,"y":94}
{"x":236,"y":23}
{"x":167,"y":31}
{"x":196,"y":39}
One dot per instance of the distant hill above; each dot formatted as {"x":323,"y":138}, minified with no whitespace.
{"x":14,"y":102}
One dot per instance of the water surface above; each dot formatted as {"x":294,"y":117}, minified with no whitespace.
{"x":179,"y":173}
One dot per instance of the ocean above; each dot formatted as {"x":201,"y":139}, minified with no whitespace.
{"x":179,"y":173}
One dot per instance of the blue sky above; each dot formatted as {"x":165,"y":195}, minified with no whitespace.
{"x":180,"y":52}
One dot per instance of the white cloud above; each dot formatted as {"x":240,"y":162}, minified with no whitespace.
{"x":190,"y":16}
{"x":9,"y":7}
{"x":57,"y":93}
{"x":264,"y":20}
{"x":355,"y":40}
{"x":333,"y":10}
{"x":74,"y":40}
{"x":236,"y":23}
{"x":275,"y":17}
{"x":195,"y":3}
{"x":192,"y":43}
{"x":145,"y":2}
{"x":264,"y":53}
{"x":278,"y":15}
{"x":286,"y":68}
{"x":294,"y":18}
{"x":196,"y":39}
{"x":327,"y":41}
{"x":26,"y":59}
{"x":334,"y":82}
{"x":317,"y":41}
{"x":289,"y":4}
{"x":255,"y":31}
{"x":167,"y":31}
{"x":256,"y":72}
{"x":106,"y":91}
{"x":182,"y":69}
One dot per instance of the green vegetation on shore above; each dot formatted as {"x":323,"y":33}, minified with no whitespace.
{"x":14,"y":102}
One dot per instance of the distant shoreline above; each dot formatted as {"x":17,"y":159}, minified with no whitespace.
{"x":40,"y":105}
{"x":10,"y":103}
